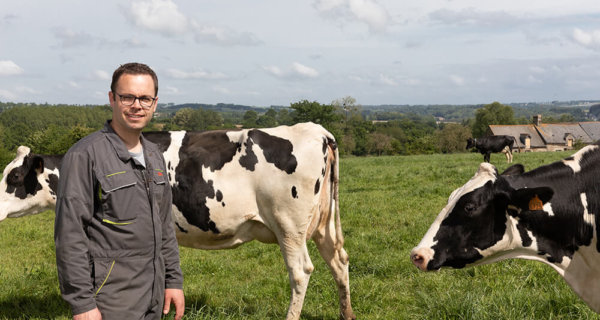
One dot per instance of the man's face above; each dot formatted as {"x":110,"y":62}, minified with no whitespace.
{"x":135,"y":117}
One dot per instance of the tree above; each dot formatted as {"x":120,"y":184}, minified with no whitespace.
{"x":249,"y":120}
{"x":182,"y":117}
{"x":452,"y":137}
{"x":493,"y":113}
{"x":267,"y":120}
{"x":379,"y":143}
{"x":323,"y":114}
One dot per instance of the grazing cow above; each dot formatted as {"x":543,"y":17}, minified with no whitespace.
{"x":550,"y":214}
{"x":487,"y":145}
{"x":277,"y":185}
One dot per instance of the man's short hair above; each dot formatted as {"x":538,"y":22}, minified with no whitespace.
{"x":133,"y":68}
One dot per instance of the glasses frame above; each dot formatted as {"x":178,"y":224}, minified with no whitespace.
{"x":139,"y":99}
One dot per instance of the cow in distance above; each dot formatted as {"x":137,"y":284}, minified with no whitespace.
{"x":493,"y":144}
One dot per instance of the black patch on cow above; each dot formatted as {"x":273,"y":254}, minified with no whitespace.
{"x":277,"y":151}
{"x":324,"y":145}
{"x":477,"y":221}
{"x":323,"y":172}
{"x":249,"y":160}
{"x":169,"y":165}
{"x":53,"y":183}
{"x":317,"y":186}
{"x":223,"y":204}
{"x":161,"y":138}
{"x":180,"y":228}
{"x":22,"y":180}
{"x":219,"y":195}
{"x":294,"y":192}
{"x":210,"y":149}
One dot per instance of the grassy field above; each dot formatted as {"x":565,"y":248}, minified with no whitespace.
{"x":387,"y":204}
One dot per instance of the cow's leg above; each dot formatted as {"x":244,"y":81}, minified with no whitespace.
{"x":486,"y":157}
{"x":508,"y":154}
{"x":300,"y":267}
{"x":337,"y":260}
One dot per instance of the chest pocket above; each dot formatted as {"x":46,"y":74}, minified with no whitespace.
{"x":160,"y":185}
{"x":118,"y":193}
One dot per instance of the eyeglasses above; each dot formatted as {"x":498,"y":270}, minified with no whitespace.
{"x":128,"y":100}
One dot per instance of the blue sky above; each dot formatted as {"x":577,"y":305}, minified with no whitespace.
{"x":276,"y":52}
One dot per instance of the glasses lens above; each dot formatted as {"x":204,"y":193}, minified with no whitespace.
{"x":127,"y":99}
{"x":146,"y":101}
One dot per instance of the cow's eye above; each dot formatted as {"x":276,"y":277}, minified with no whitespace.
{"x":470,"y":207}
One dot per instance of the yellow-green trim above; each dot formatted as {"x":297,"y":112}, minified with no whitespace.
{"x":159,"y":170}
{"x":116,"y":223}
{"x":112,"y":174}
{"x":103,"y":282}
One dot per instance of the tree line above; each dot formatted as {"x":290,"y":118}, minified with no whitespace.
{"x":52,"y":129}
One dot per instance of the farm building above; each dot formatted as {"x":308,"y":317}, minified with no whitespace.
{"x":540,"y":136}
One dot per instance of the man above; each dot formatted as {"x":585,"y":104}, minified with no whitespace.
{"x":116,"y":252}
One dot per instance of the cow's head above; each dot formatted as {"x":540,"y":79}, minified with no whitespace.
{"x":477,"y":224}
{"x":25,"y":187}
{"x":470,"y":143}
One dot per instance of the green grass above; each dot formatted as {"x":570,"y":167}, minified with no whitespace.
{"x":387,"y":204}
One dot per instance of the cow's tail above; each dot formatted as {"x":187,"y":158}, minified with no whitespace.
{"x":335,"y":195}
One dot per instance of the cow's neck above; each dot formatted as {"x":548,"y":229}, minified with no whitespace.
{"x":564,"y":235}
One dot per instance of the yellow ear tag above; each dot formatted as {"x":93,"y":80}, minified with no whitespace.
{"x":535,"y":203}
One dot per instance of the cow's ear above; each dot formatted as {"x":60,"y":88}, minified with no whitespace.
{"x":532,"y":199}
{"x":37,"y":164}
{"x":514,"y":170}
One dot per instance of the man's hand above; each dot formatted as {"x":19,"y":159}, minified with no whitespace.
{"x":93,"y":314}
{"x":176,"y":297}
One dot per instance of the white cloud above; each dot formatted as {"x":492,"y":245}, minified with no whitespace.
{"x":100,"y":75}
{"x":161,"y":16}
{"x":69,"y":38}
{"x":587,"y":39}
{"x":7,"y":95}
{"x":199,"y":74}
{"x":224,"y":36}
{"x":457,"y":80}
{"x":26,"y":90}
{"x":305,"y":71}
{"x":295,"y":71}
{"x":9,"y":68}
{"x":370,"y":12}
{"x":384,"y":79}
{"x":471,"y":16}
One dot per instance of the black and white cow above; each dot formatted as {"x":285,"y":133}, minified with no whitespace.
{"x":492,"y":144}
{"x":550,"y":214}
{"x":276,"y":185}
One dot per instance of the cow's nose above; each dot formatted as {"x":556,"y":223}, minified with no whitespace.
{"x":420,"y":258}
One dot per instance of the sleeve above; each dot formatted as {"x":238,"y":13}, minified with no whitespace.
{"x":170,"y":249}
{"x":74,"y":211}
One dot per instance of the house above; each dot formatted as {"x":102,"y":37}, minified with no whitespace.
{"x":540,"y":136}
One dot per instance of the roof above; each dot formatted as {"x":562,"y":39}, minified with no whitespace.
{"x":592,"y":129}
{"x":549,"y":133}
{"x":555,"y":133}
{"x":520,"y":130}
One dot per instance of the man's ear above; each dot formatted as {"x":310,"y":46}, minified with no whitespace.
{"x":514,"y":170}
{"x":531,"y":199}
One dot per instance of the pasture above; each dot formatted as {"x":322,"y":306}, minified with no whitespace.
{"x":387,"y":204}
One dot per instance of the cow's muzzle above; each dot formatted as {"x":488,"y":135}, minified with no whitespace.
{"x":420,"y":257}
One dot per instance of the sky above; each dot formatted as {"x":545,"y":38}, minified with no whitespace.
{"x":277,"y":52}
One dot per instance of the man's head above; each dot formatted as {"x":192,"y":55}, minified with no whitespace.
{"x":132,"y":98}
{"x":133,"y":68}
